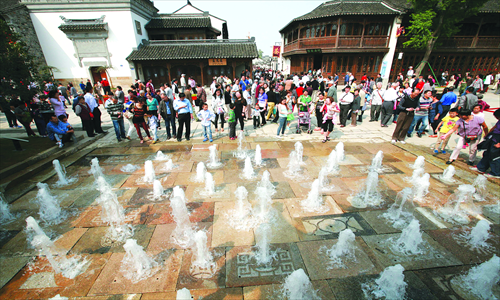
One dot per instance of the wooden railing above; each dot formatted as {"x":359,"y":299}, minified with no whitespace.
{"x":456,"y":42}
{"x":463,"y":42}
{"x":344,"y":42}
{"x":488,"y":42}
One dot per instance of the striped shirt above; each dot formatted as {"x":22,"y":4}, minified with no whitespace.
{"x":425,"y":105}
{"x":115,"y":110}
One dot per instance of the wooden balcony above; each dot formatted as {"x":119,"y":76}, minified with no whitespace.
{"x":330,"y":42}
{"x":463,"y":42}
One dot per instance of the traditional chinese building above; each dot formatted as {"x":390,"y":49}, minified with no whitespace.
{"x":361,"y":36}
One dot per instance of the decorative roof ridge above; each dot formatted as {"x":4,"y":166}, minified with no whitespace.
{"x":161,"y":16}
{"x":189,"y":3}
{"x":205,"y":42}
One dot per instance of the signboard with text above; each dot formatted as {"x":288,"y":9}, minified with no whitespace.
{"x":217,"y":62}
{"x":313,"y":51}
{"x":276,"y":51}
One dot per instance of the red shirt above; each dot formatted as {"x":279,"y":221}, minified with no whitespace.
{"x":365,"y":78}
{"x":300,"y":91}
{"x":105,"y":83}
{"x":420,"y":85}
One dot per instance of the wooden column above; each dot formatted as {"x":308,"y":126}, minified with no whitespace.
{"x":234,"y":69}
{"x":362,"y":33}
{"x":474,"y":40}
{"x":169,"y":66}
{"x":338,"y":32}
{"x":202,"y":75}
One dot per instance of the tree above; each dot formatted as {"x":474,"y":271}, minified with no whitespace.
{"x":434,"y":19}
{"x":17,"y":70}
{"x":261,"y":53}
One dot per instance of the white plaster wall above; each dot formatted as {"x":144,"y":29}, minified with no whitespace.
{"x":389,"y":56}
{"x":60,"y":52}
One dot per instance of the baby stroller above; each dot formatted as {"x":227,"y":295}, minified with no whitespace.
{"x":304,"y":117}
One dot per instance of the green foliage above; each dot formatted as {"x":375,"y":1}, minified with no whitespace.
{"x":432,"y":19}
{"x":260,"y":53}
{"x":17,"y":69}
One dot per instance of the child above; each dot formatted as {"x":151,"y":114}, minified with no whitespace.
{"x":153,"y":125}
{"x":63,"y":123}
{"x":206,"y":118}
{"x":232,"y":122}
{"x":256,"y":116}
{"x":481,"y":102}
{"x":330,"y":110}
{"x":447,"y":124}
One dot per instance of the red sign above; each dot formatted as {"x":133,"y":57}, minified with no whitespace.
{"x":276,"y":51}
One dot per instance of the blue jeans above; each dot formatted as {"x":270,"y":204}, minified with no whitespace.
{"x":489,"y":161}
{"x":282,"y":122}
{"x":170,"y":121}
{"x":425,"y":122}
{"x":119,"y":129}
{"x":207,"y":129}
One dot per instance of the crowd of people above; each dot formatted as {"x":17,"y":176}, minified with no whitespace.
{"x":264,"y":96}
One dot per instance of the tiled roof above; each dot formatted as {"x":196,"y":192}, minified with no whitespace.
{"x":179,"y":22}
{"x":83,"y":27}
{"x":201,"y":49}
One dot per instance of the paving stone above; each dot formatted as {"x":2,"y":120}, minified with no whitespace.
{"x":112,"y":280}
{"x":274,"y":291}
{"x":10,"y":266}
{"x":193,"y":277}
{"x":205,"y":294}
{"x":162,"y":236}
{"x":242,"y":269}
{"x":382,"y":226}
{"x":433,"y":255}
{"x":198,"y":212}
{"x":329,"y":227}
{"x":297,"y":211}
{"x":491,"y":213}
{"x":224,"y":234}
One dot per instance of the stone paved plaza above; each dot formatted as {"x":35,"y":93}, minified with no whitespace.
{"x":299,"y":238}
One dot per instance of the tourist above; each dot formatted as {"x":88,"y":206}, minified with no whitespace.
{"x":356,"y":105}
{"x":262,"y":101}
{"x":227,"y":98}
{"x":98,"y":91}
{"x":85,"y":113}
{"x":168,"y":114}
{"x":248,"y":97}
{"x":482,"y":103}
{"x":105,"y":86}
{"x":24,"y":117}
{"x":376,"y":100}
{"x":219,"y":109}
{"x":446,"y":124}
{"x":36,"y":108}
{"x":232,"y":122}
{"x":58,"y":131}
{"x":56,"y":103}
{"x":282,"y":111}
{"x":119,"y":93}
{"x":153,"y":125}
{"x":468,"y":100}
{"x":94,"y":108}
{"x":421,"y":114}
{"x":206,"y":117}
{"x":445,"y":104}
{"x":345,"y":101}
{"x":240,"y":108}
{"x":389,"y":104}
{"x":330,"y":110}
{"x":139,"y":110}
{"x":129,"y":116}
{"x":152,"y":104}
{"x":488,"y":79}
{"x":304,"y":102}
{"x":115,"y":111}
{"x":469,"y":129}
{"x":491,"y":155}
{"x":256,"y":111}
{"x":184,"y":115}
{"x":477,"y":84}
{"x":319,"y":104}
{"x":63,"y":91}
{"x":407,"y":108}
{"x":82,"y":87}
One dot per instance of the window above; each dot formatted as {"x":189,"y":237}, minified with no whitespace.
{"x":308,"y":34}
{"x":138,"y":27}
{"x":322,"y":33}
{"x":334,"y":29}
{"x":377,"y":29}
{"x":489,"y":29}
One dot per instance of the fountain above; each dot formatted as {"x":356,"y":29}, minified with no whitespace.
{"x":161,"y":157}
{"x":478,"y":236}
{"x":343,"y":249}
{"x":68,"y":267}
{"x":129,"y":168}
{"x":169,"y":165}
{"x":209,"y":184}
{"x":200,"y":172}
{"x":242,"y":206}
{"x":298,"y":286}
{"x":184,"y":294}
{"x":112,"y":213}
{"x":203,"y":257}
{"x":183,"y":232}
{"x":248,"y":169}
{"x":95,"y":168}
{"x":299,"y":149}
{"x":179,"y":192}
{"x":61,"y":174}
{"x":339,"y":149}
{"x":421,"y":187}
{"x":370,"y":196}
{"x":266,"y":183}
{"x":50,"y":210}
{"x":5,"y":215}
{"x":264,"y":204}
{"x":263,"y":254}
{"x":136,"y":264}
{"x":149,"y":171}
{"x":390,"y":285}
{"x":294,"y":169}
{"x":157,"y":189}
{"x":214,"y":161}
{"x":240,"y":152}
{"x":395,"y":214}
{"x":479,"y":281}
{"x":324,"y":183}
{"x":417,"y":173}
{"x":410,"y":240}
{"x":58,"y":297}
{"x":376,"y":165}
{"x":258,"y":156}
{"x":314,"y":201}
{"x":452,"y":210}
{"x":419,"y":163}
{"x":480,"y":185}
{"x":332,"y":163}
{"x":448,"y":174}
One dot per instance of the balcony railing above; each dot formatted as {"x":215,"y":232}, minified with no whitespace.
{"x":463,"y":42}
{"x":488,"y":42}
{"x":343,"y":42}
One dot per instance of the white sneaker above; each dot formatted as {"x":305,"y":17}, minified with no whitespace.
{"x":60,"y":145}
{"x":278,"y":136}
{"x":402,"y":142}
{"x":394,"y":142}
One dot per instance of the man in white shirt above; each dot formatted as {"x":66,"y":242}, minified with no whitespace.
{"x":94,"y":108}
{"x":183,"y":83}
{"x":376,"y":102}
{"x":305,"y":79}
{"x":390,"y":97}
{"x":487,"y":81}
{"x":248,"y":97}
{"x":345,"y":101}
{"x":410,"y":72}
{"x":296,"y":80}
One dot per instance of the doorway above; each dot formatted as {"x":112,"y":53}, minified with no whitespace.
{"x":318,"y":59}
{"x":98,"y":73}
